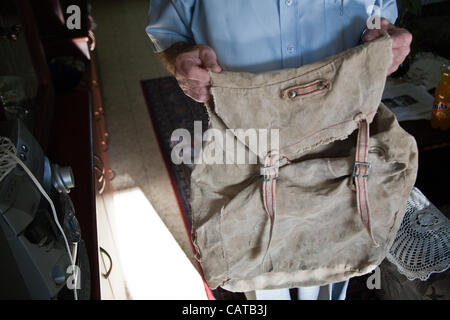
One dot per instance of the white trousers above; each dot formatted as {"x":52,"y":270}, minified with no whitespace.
{"x":332,"y":291}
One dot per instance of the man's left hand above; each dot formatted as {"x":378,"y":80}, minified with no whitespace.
{"x":401,"y":41}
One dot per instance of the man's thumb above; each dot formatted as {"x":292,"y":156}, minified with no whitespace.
{"x":215,"y":68}
{"x":209,"y":60}
{"x":372,"y":35}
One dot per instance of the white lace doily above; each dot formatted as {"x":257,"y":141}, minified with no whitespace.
{"x":421,"y":246}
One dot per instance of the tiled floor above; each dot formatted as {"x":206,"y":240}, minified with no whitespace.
{"x":125,"y":56}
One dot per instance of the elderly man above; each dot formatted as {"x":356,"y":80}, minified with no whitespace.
{"x":262,"y":35}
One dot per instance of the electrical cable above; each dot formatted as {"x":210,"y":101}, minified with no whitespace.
{"x":4,"y":161}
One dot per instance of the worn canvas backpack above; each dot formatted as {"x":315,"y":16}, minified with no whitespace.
{"x":322,"y":205}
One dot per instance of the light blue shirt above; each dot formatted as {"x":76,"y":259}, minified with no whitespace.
{"x":263,"y":35}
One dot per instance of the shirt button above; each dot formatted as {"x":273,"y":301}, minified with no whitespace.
{"x":291,"y":49}
{"x":289,"y":2}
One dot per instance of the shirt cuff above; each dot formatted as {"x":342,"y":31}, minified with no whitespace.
{"x":390,"y":13}
{"x":162,"y":40}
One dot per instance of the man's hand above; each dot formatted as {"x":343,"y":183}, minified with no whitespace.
{"x":401,"y":41}
{"x":190,"y":71}
{"x":188,"y":63}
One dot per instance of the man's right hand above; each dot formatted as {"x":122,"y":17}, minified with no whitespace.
{"x":191,"y":74}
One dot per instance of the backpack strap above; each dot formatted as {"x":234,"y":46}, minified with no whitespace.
{"x":361,"y":172}
{"x":270,"y":173}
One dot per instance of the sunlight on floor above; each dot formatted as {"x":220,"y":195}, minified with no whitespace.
{"x":154,"y":265}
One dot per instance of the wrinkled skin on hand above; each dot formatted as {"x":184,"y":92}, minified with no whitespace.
{"x":401,"y":41}
{"x":191,"y":71}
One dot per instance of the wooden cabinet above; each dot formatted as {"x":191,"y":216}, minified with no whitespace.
{"x":70,"y":126}
{"x":112,"y":283}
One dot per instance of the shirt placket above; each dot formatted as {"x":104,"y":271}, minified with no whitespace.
{"x":290,"y":45}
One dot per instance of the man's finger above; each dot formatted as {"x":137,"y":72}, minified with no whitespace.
{"x":209,"y":60}
{"x":196,"y":90}
{"x":392,"y":69}
{"x":400,"y":38}
{"x":197,"y":97}
{"x":371,"y":35}
{"x":191,"y":83}
{"x":189,"y":69}
{"x":400,"y":53}
{"x":399,"y":57}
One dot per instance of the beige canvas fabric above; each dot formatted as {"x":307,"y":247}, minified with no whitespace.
{"x":303,"y":221}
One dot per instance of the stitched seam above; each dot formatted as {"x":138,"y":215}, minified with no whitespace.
{"x":305,"y":86}
{"x":316,"y":132}
{"x":338,"y":57}
{"x":270,"y":84}
{"x":306,"y":93}
{"x":223,"y":245}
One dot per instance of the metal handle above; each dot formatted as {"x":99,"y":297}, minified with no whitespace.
{"x":112,"y":174}
{"x":92,"y":38}
{"x":96,"y":157}
{"x":101,"y":171}
{"x":102,"y":188}
{"x":106,"y":275}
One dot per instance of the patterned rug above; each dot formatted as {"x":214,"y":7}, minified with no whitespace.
{"x":171,"y":109}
